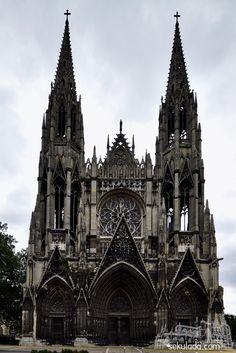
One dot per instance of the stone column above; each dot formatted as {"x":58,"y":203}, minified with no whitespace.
{"x":34,"y":323}
{"x":176,"y":203}
{"x":67,"y":200}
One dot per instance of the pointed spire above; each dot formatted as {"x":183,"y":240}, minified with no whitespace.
{"x":108,"y":143}
{"x":64,"y":78}
{"x":44,"y":122}
{"x":157,"y":144}
{"x":94,"y":152}
{"x":195,"y":98}
{"x":207,"y":209}
{"x":121,"y":126}
{"x":157,"y":159}
{"x":94,"y":158}
{"x":212,"y":223}
{"x":178,"y":79}
{"x":133,"y":145}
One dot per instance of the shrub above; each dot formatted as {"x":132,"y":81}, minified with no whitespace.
{"x":8,"y":340}
{"x":42,"y":351}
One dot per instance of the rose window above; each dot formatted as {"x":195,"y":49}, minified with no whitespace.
{"x":114,"y":209}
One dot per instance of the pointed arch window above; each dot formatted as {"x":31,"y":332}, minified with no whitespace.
{"x":184,"y":209}
{"x":183,"y":123}
{"x":168,"y":196}
{"x":59,"y":203}
{"x":61,"y":128}
{"x":75,"y":197}
{"x":171,"y":126}
{"x":73,"y":123}
{"x":43,"y":202}
{"x":119,"y":302}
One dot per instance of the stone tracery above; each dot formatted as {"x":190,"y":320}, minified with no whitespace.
{"x":117,"y":207}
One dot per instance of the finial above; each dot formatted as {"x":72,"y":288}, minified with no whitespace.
{"x":94,"y":158}
{"x":133,"y":145}
{"x":207,"y":209}
{"x":67,"y":13}
{"x":120,"y":126}
{"x":94,"y":151}
{"x":177,"y":16}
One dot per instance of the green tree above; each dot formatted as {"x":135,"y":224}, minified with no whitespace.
{"x":231,"y":321}
{"x":12,"y":276}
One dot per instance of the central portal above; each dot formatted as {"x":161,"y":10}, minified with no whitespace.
{"x":121,"y":307}
{"x":119,"y":330}
{"x":57,"y":330}
{"x":118,"y":325}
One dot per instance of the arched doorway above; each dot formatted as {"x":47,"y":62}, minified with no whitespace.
{"x":119,"y":316}
{"x":55,"y":312}
{"x":122,"y":307}
{"x":188,"y":303}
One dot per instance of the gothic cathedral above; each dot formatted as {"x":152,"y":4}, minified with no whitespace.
{"x":120,"y":248}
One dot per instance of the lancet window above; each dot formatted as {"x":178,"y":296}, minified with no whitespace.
{"x":183,"y":122}
{"x":168,"y":196}
{"x":171,"y":125}
{"x":59,"y":203}
{"x":61,"y":128}
{"x":43,"y":203}
{"x":184,"y":209}
{"x":73,"y":123}
{"x":75,"y":196}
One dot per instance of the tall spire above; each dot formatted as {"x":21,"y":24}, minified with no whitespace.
{"x":178,"y":78}
{"x":64,"y":79}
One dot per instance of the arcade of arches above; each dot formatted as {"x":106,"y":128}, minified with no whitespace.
{"x":120,"y":248}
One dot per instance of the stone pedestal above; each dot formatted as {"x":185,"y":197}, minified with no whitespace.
{"x":30,"y":341}
{"x":80,"y":341}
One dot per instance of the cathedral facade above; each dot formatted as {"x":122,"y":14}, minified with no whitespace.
{"x":120,"y":248}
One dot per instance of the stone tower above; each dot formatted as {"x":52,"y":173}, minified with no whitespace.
{"x":120,"y":248}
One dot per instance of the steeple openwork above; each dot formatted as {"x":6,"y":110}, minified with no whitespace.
{"x":64,"y":79}
{"x":178,"y":85}
{"x":179,"y":154}
{"x":115,"y":243}
{"x":61,"y":164}
{"x":64,"y":113}
{"x":178,"y":112}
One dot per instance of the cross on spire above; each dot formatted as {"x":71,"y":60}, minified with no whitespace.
{"x":177,"y":16}
{"x":67,"y":13}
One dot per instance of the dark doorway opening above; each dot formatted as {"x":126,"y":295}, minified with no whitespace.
{"x":57,"y":330}
{"x":184,"y":321}
{"x":119,"y":330}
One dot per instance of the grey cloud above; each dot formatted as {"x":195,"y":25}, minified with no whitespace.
{"x":121,"y":52}
{"x":227,"y":226}
{"x":15,"y":211}
{"x":12,"y":141}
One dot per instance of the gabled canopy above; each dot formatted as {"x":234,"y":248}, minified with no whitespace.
{"x":187,"y":270}
{"x":122,"y":248}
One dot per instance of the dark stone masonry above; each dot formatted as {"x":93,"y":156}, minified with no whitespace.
{"x":120,"y":248}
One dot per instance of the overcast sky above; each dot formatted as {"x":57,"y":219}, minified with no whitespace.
{"x":121,"y":51}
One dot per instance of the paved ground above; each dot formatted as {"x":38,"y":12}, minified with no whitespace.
{"x":93,"y":349}
{"x":97,"y":349}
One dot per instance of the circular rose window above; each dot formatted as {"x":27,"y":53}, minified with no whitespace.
{"x":114,"y":209}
